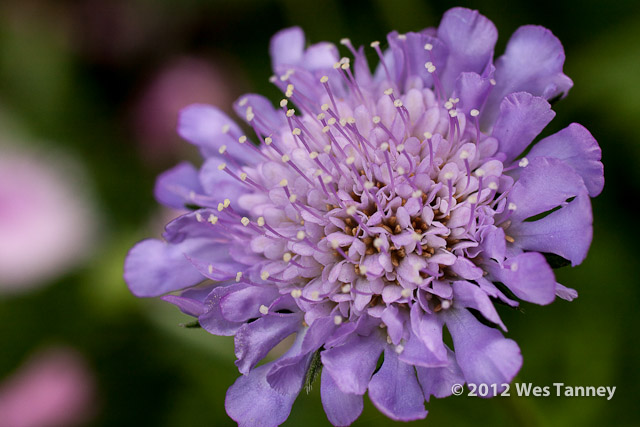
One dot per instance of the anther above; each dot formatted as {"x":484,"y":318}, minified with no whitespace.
{"x":213,"y":219}
{"x":222,"y":149}
{"x":242,"y":139}
{"x":296,"y":293}
{"x":238,"y":276}
{"x":474,"y":113}
{"x":264,"y":275}
{"x":264,"y":309}
{"x":524,"y":162}
{"x":337,"y":319}
{"x":300,"y":235}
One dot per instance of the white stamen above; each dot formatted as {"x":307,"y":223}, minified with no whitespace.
{"x":245,"y":221}
{"x":222,"y":149}
{"x":427,"y":135}
{"x":416,"y":194}
{"x":448,"y":175}
{"x":377,"y":243}
{"x":375,"y":44}
{"x":375,"y":119}
{"x":384,"y":146}
{"x":285,"y":158}
{"x":448,"y":105}
{"x":327,"y":148}
{"x":388,"y":91}
{"x":512,"y":206}
{"x":313,"y":155}
{"x":210,"y":269}
{"x":400,"y":148}
{"x":400,"y":170}
{"x":351,"y":210}
{"x":242,"y":139}
{"x":397,"y":103}
{"x":327,"y":179}
{"x":243,"y":176}
{"x":293,"y":198}
{"x":284,"y":102}
{"x":524,"y":162}
{"x":493,"y":186}
{"x":445,"y":304}
{"x":268,"y":140}
{"x":300,"y":235}
{"x":406,"y":293}
{"x":296,"y":293}
{"x":350,"y":160}
{"x":213,"y":219}
{"x":428,"y":46}
{"x":260,"y":221}
{"x":399,"y":348}
{"x":221,"y":166}
{"x":368,"y":185}
{"x":321,"y":116}
{"x":198,"y":217}
{"x":453,"y":113}
{"x":238,"y":276}
{"x":243,"y":102}
{"x":345,"y":41}
{"x":474,"y":113}
{"x":473,"y":199}
{"x":480,"y":172}
{"x":346,"y":288}
{"x":416,"y":236}
{"x":332,"y":121}
{"x":227,"y":202}
{"x":264,"y":275}
{"x":363,"y":270}
{"x":324,"y":107}
{"x":264,"y":309}
{"x":220,"y":207}
{"x":225,"y":128}
{"x":290,"y":112}
{"x":296,"y":132}
{"x":289,"y":92}
{"x":464,"y":154}
{"x":514,"y":266}
{"x":337,"y":319}
{"x":286,"y":257}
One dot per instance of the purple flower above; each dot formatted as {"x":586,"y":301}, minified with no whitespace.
{"x":378,"y":211}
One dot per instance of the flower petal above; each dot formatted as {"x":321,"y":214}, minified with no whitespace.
{"x":395,"y":391}
{"x":522,"y":118}
{"x":531,"y":63}
{"x":438,"y":381}
{"x":484,"y":355}
{"x":341,"y":408}
{"x":471,"y":296}
{"x":528,"y":276}
{"x":352,"y":364}
{"x":287,"y":47}
{"x":209,"y":128}
{"x":470,"y":38}
{"x":254,"y":340}
{"x":174,"y":187}
{"x":251,"y":402}
{"x":154,"y":267}
{"x":578,"y":148}
{"x":546,"y":184}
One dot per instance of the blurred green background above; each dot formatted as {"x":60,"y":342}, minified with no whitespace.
{"x":102,"y":80}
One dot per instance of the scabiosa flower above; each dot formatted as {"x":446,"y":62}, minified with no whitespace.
{"x":376,"y":211}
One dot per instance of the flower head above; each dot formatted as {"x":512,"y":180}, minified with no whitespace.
{"x":376,"y":210}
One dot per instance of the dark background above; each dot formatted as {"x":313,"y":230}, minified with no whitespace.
{"x":90,"y":78}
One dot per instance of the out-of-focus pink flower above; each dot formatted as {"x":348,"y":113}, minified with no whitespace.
{"x":54,"y":388}
{"x":181,"y":82}
{"x":46,"y":223}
